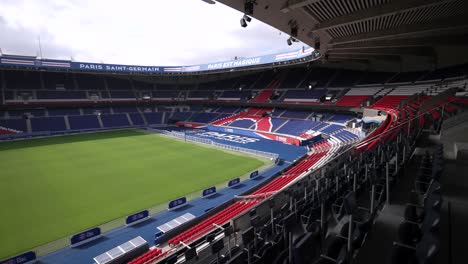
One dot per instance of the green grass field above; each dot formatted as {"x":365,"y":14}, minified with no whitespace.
{"x":54,"y":187}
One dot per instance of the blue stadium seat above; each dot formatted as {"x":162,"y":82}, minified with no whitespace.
{"x":16,"y":124}
{"x":83,"y":122}
{"x":41,"y":124}
{"x":154,"y":118}
{"x":137,"y":119}
{"x":115,"y":120}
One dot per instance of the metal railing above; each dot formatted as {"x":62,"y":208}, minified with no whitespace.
{"x":453,"y":122}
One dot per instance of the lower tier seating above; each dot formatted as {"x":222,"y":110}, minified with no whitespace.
{"x":83,"y":122}
{"x":115,"y":120}
{"x":42,"y":124}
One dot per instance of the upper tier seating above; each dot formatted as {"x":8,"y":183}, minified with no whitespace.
{"x":346,"y":78}
{"x":234,"y":95}
{"x":200,"y":95}
{"x":62,"y":95}
{"x":376,"y":78}
{"x":143,"y":86}
{"x":118,"y":84}
{"x":42,"y":124}
{"x":293,"y":78}
{"x":63,"y":111}
{"x":320,"y":76}
{"x":389,"y":101}
{"x":22,"y":80}
{"x":166,"y":95}
{"x":263,"y":96}
{"x":352,"y":100}
{"x":398,"y":94}
{"x":122,"y":95}
{"x":404,"y":77}
{"x":356,"y":96}
{"x":310,"y":96}
{"x":410,"y":89}
{"x":265,"y":80}
{"x":54,"y":80}
{"x":84,"y":122}
{"x":447,"y":73}
{"x":90,"y":82}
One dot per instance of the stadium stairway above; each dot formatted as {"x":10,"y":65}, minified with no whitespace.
{"x":264,"y":124}
{"x":263,"y":96}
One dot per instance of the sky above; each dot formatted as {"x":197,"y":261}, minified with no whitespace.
{"x":137,"y":32}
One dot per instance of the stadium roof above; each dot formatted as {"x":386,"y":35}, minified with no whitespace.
{"x":430,"y":33}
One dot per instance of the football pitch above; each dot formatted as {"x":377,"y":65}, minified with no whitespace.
{"x":54,"y":187}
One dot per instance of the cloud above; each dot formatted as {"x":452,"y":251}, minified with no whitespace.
{"x":24,"y":41}
{"x":144,"y":32}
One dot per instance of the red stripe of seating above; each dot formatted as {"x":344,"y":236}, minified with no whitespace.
{"x":352,"y":100}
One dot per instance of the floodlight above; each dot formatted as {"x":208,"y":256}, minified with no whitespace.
{"x":247,"y":18}
{"x":243,"y":23}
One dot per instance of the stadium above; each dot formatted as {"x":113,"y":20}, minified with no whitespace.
{"x":349,"y":147}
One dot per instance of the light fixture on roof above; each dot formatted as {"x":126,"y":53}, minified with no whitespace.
{"x":291,"y":40}
{"x":244,"y":20}
{"x":243,"y":23}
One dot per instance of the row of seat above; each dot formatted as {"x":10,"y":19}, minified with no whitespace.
{"x":418,"y":233}
{"x":148,"y":257}
{"x":207,"y":225}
